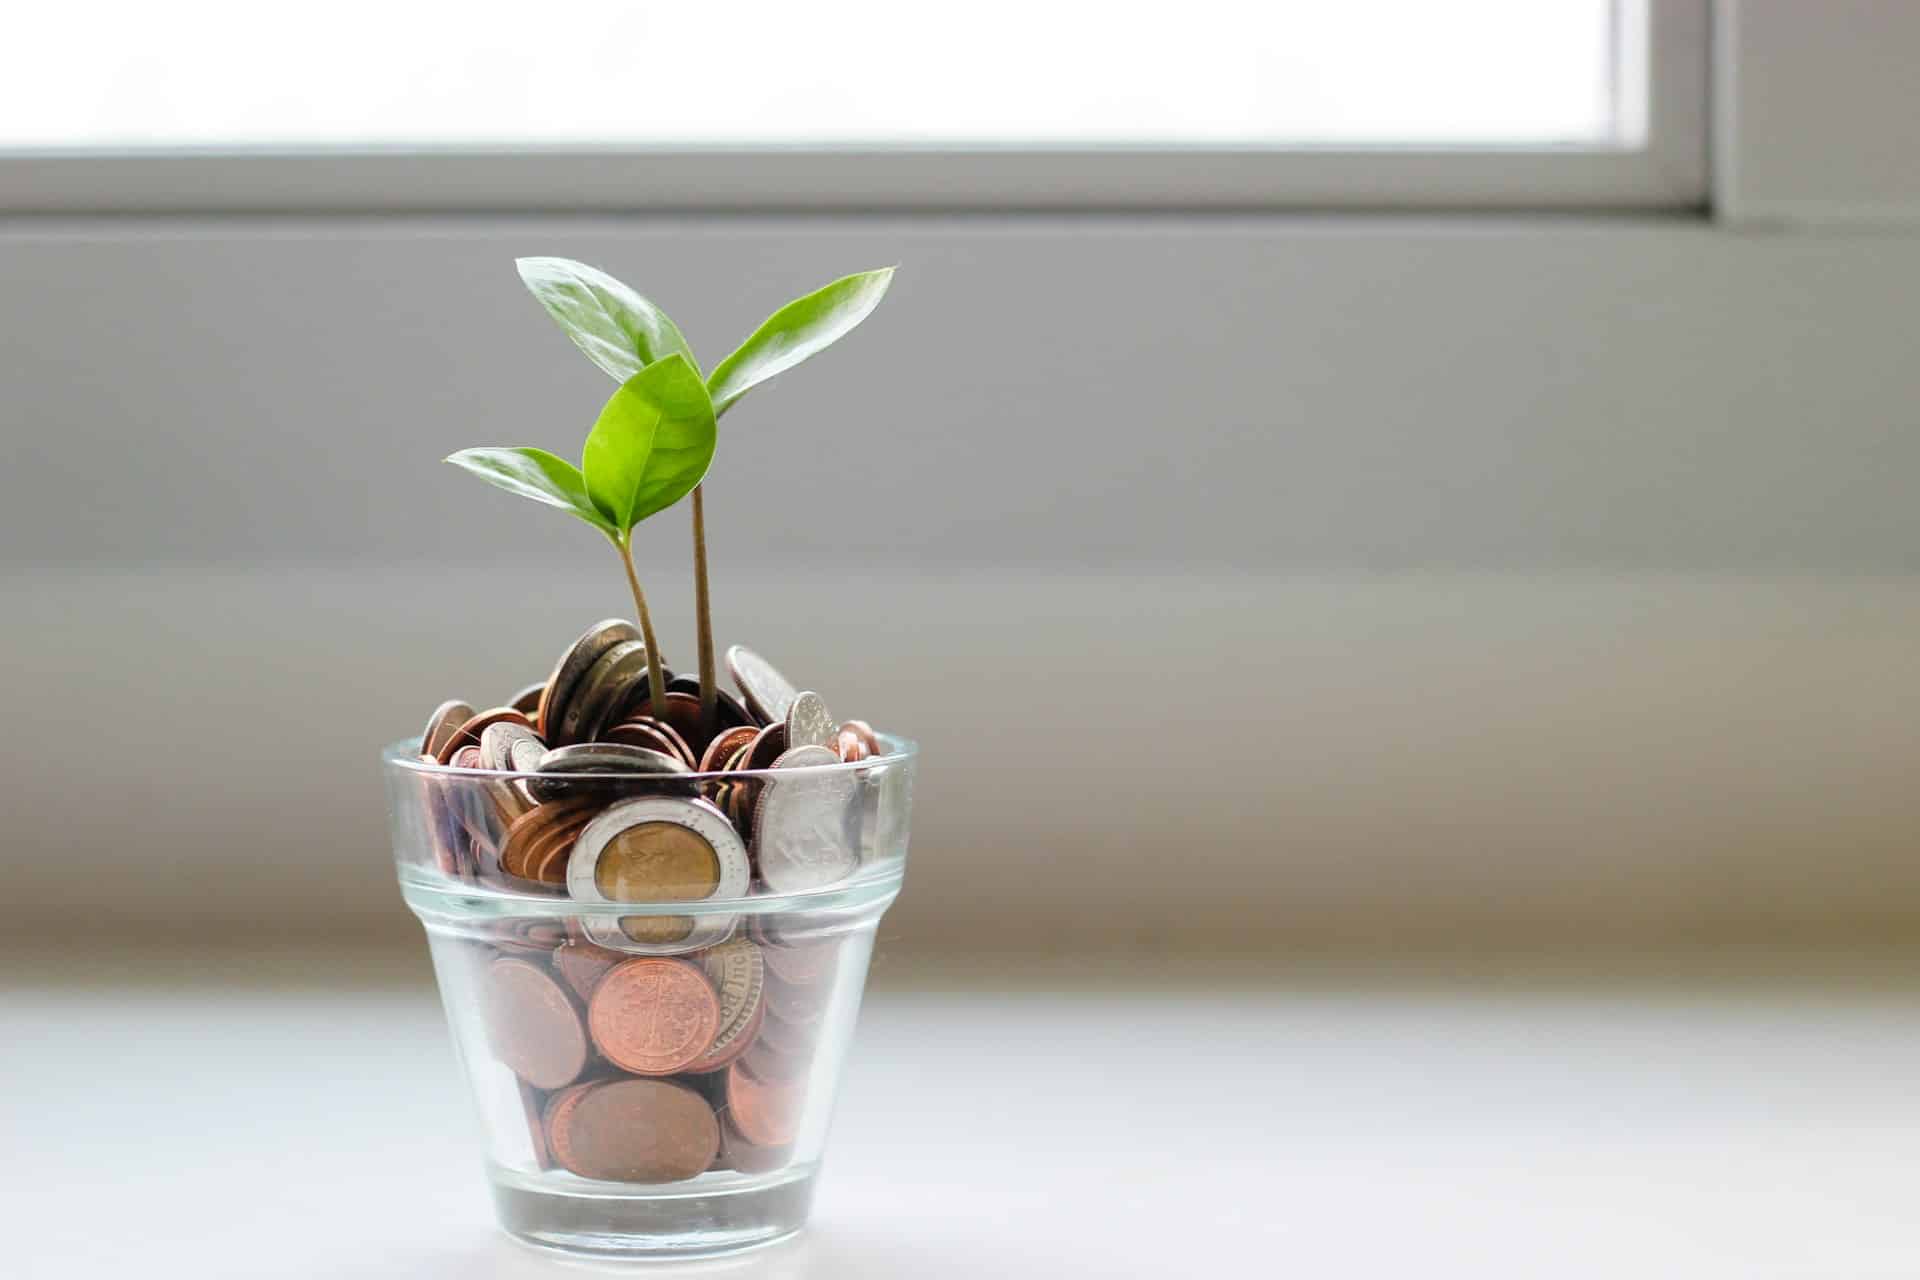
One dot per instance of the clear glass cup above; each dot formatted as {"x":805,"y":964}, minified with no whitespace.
{"x":654,"y":1076}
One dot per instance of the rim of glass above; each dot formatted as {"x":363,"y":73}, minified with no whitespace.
{"x":405,"y":755}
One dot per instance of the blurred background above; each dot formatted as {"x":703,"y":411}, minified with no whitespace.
{"x":1370,"y":480}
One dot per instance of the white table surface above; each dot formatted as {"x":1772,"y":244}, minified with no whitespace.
{"x":297,"y":1115}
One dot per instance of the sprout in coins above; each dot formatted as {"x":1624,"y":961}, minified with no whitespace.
{"x":629,"y":337}
{"x":650,"y":446}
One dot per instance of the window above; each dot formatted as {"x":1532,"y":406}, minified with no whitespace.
{"x":857,"y":103}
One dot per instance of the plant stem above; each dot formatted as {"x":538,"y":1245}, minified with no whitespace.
{"x":703,"y":616}
{"x":656,"y":678}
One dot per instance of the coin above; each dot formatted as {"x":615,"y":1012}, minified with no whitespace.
{"x":534,"y":827}
{"x":527,"y":701}
{"x":647,"y":1131}
{"x":767,"y":746}
{"x":765,"y":1063}
{"x":597,"y":758}
{"x":658,"y":849}
{"x":798,"y":1004}
{"x":468,"y":734}
{"x":729,"y":711}
{"x":739,"y":1154}
{"x":536,"y":1126}
{"x":602,"y":690}
{"x":446,"y":718}
{"x":653,"y":1016}
{"x":726,"y":744}
{"x":804,"y":963}
{"x":864,"y":731}
{"x":809,"y":724}
{"x":510,"y":747}
{"x":682,"y":713}
{"x":765,"y":1114}
{"x":738,"y":976}
{"x":532,"y":1026}
{"x":653,"y":735}
{"x":769,"y":694}
{"x":581,"y":964}
{"x":850,"y":746}
{"x":554,"y":1120}
{"x":573,"y":664}
{"x":793,"y":1039}
{"x":800,"y":823}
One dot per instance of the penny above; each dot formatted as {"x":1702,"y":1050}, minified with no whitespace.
{"x":765,"y":1114}
{"x":808,"y":722}
{"x":606,"y":686}
{"x":850,"y":746}
{"x":653,"y":1016}
{"x":527,"y":701}
{"x":725,"y":745}
{"x":573,"y":664}
{"x":729,"y":711}
{"x":652,"y":734}
{"x":534,"y":827}
{"x":793,"y":1039}
{"x":682,"y":713}
{"x":446,"y":718}
{"x":581,"y":965}
{"x":640,"y":1131}
{"x":864,"y":731}
{"x":547,"y":861}
{"x":800,"y":824}
{"x":766,"y":748}
{"x":554,"y":1120}
{"x":532,"y":1025}
{"x":746,"y":1157}
{"x":769,"y":694}
{"x":765,"y":1063}
{"x":468,"y":734}
{"x":738,"y":976}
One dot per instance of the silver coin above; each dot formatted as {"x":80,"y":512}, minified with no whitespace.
{"x":574,"y":663}
{"x":769,"y":694}
{"x":597,"y":758}
{"x":605,"y":687}
{"x":498,"y":741}
{"x":800,"y":825}
{"x":809,"y":723}
{"x":697,"y":816}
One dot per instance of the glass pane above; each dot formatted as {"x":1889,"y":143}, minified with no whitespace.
{"x":824,"y":72}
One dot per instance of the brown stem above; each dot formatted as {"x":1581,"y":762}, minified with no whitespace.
{"x":703,"y":616}
{"x":656,"y":678}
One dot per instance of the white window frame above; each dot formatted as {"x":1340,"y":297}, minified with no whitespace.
{"x":1665,"y":167}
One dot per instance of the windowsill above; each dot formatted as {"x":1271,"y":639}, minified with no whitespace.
{"x":194,"y":1117}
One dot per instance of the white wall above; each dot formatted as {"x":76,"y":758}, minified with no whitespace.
{"x":1329,"y":578}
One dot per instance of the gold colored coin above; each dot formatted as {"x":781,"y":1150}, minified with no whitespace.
{"x":657,"y":862}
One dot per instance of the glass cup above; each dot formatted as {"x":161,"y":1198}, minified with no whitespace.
{"x":652,"y":981}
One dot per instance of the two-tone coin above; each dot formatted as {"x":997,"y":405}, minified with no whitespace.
{"x":800,"y":824}
{"x":769,"y":695}
{"x":658,"y":849}
{"x":574,"y":663}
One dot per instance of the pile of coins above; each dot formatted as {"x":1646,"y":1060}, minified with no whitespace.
{"x":653,"y":1048}
{"x":655,"y":1069}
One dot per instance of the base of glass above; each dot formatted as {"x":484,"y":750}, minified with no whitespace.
{"x":609,"y":1220}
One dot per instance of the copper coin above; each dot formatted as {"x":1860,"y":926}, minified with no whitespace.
{"x":652,"y":734}
{"x":556,"y":1117}
{"x":581,"y":964}
{"x":536,"y":1126}
{"x":768,"y":746}
{"x":468,"y":734}
{"x":682,"y":713}
{"x":849,"y":746}
{"x":729,"y":711}
{"x":530,"y":937}
{"x":527,"y":701}
{"x":573,"y":664}
{"x":532,"y":1025}
{"x":746,"y":1157}
{"x":765,"y":1114}
{"x":725,"y":745}
{"x":769,"y":694}
{"x":446,"y":718}
{"x":791,"y":1039}
{"x":467,"y":757}
{"x":864,"y":731}
{"x":640,"y":1131}
{"x":765,"y":1062}
{"x":536,"y":825}
{"x":652,"y":1016}
{"x":738,"y":976}
{"x":547,"y":862}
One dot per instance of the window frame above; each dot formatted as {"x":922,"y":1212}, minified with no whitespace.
{"x":1664,"y":46}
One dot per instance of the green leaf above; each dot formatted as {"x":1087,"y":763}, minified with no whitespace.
{"x":795,"y":332}
{"x":652,"y":444}
{"x":536,"y":474}
{"x":618,"y":329}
